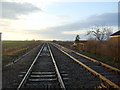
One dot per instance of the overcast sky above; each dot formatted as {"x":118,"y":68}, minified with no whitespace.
{"x":54,"y":19}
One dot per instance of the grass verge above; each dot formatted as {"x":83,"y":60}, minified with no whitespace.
{"x":108,"y":60}
{"x":12,"y":50}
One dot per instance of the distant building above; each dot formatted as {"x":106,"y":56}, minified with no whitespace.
{"x":115,"y":37}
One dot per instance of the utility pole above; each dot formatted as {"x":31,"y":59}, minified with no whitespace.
{"x":0,"y":62}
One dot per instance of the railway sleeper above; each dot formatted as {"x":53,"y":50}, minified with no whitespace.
{"x":44,"y":73}
{"x":43,"y":85}
{"x":43,"y":80}
{"x":42,"y":76}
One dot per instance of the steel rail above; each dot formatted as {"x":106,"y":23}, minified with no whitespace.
{"x":103,"y":64}
{"x":91,"y":70}
{"x":62,"y":85}
{"x":29,"y":70}
{"x":94,"y":60}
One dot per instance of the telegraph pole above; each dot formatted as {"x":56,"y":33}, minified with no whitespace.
{"x":0,"y":62}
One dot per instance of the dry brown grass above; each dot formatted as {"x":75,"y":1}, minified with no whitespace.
{"x":14,"y":51}
{"x":107,"y":48}
{"x":106,"y":51}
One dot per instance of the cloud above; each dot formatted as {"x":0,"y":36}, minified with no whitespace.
{"x":63,"y":16}
{"x":108,"y":19}
{"x":69,"y":30}
{"x":11,"y":10}
{"x":80,"y":26}
{"x":74,"y":32}
{"x":3,"y":24}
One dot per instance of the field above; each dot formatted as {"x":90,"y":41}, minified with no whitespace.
{"x":12,"y":50}
{"x":8,"y":44}
{"x":15,"y":49}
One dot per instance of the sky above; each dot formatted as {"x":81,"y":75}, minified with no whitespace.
{"x":54,"y":19}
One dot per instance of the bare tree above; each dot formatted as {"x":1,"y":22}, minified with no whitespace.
{"x":100,"y":32}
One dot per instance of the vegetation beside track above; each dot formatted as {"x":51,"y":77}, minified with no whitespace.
{"x":15,"y":49}
{"x":105,"y":59}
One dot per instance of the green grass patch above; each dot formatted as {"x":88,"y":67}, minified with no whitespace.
{"x":10,"y":44}
{"x":12,"y":50}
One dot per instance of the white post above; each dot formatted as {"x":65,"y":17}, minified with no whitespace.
{"x":0,"y":63}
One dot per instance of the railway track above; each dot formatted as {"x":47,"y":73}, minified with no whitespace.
{"x":109,"y":76}
{"x":43,"y":72}
{"x":59,"y":67}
